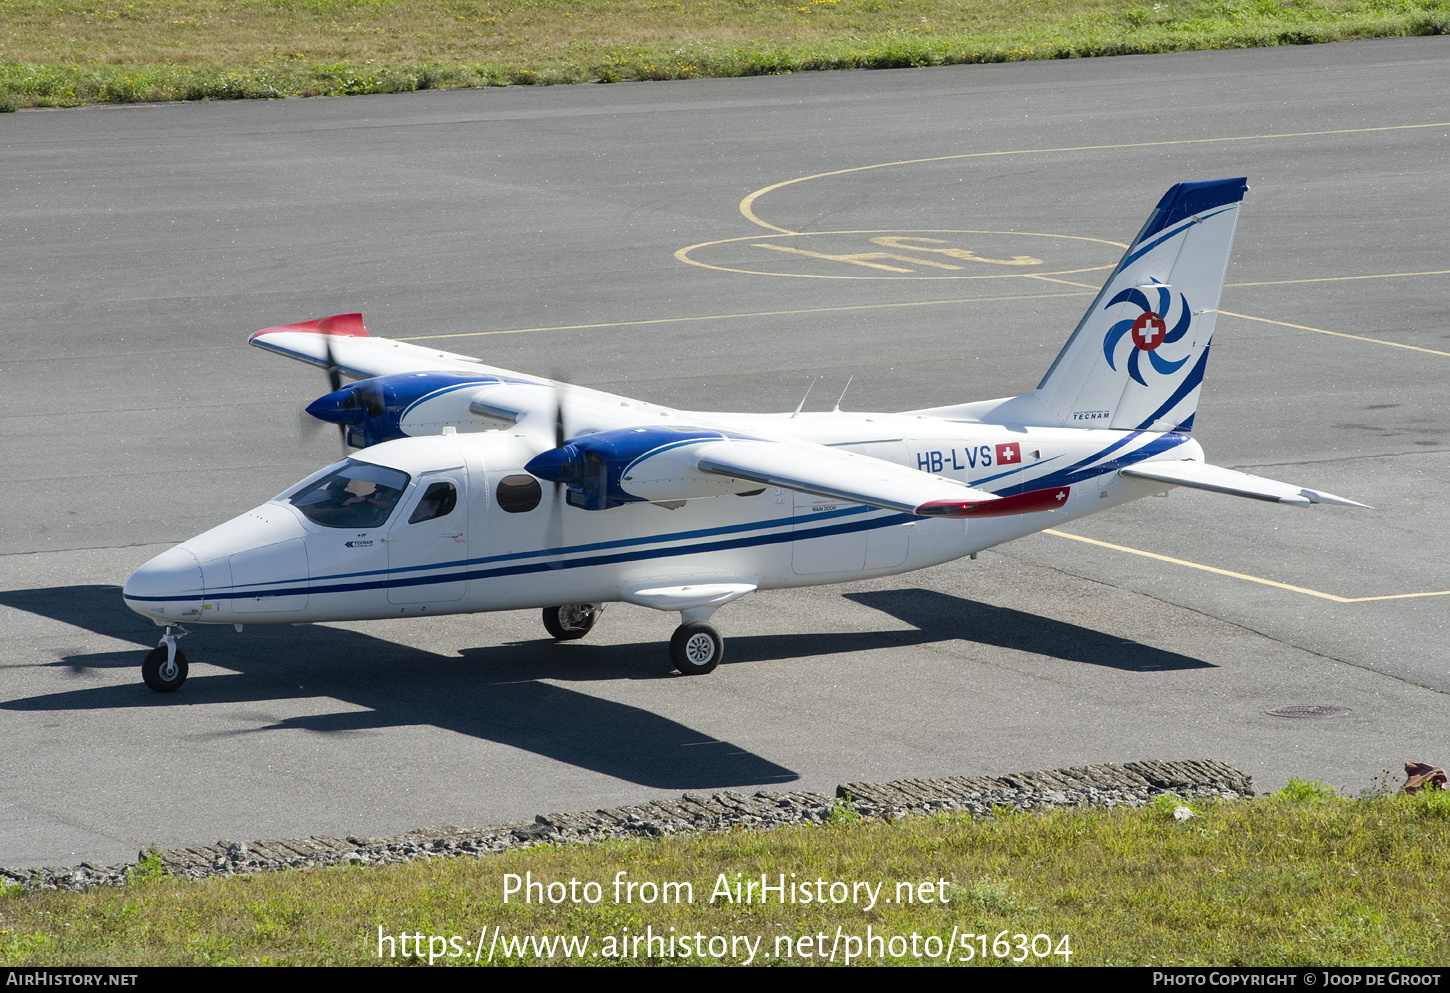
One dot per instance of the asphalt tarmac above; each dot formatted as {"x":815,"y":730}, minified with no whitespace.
{"x":719,"y":244}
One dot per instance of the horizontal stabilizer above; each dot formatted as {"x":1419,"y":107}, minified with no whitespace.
{"x":1201,"y":476}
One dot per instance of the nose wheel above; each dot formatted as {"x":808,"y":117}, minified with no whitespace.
{"x":696,"y":648}
{"x":164,"y":670}
{"x":571,"y":621}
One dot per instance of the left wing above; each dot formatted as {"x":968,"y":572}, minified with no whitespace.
{"x":640,"y":464}
{"x":361,"y":356}
{"x":406,"y":389}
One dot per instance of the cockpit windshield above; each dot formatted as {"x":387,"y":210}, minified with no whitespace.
{"x":359,"y":496}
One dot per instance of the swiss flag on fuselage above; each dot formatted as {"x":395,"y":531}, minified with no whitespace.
{"x":1009,"y":453}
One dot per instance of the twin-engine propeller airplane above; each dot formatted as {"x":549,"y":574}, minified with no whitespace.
{"x":475,"y":489}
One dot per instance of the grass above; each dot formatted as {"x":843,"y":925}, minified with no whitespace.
{"x":1303,"y":878}
{"x":66,"y":53}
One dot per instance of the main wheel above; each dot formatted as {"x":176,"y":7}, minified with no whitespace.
{"x":570,"y":621}
{"x":696,"y":648}
{"x":161,"y":676}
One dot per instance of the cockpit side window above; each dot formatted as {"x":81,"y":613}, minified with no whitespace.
{"x":438,"y":501}
{"x":357,"y":496}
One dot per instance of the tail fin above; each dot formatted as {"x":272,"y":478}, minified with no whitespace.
{"x":1137,"y":357}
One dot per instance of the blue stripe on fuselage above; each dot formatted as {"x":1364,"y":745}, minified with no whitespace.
{"x":579,"y":563}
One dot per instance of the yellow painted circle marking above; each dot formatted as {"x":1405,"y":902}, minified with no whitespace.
{"x":892,"y":250}
{"x":747,"y":206}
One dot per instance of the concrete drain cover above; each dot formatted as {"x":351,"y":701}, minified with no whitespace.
{"x":1312,"y":711}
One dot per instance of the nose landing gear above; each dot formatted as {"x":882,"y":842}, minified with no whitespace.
{"x":571,"y":621}
{"x":164,"y":669}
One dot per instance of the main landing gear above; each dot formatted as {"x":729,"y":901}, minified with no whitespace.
{"x":165,"y":668}
{"x":695,"y":649}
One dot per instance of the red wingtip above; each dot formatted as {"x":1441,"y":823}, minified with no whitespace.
{"x":1020,"y":503}
{"x":338,"y":325}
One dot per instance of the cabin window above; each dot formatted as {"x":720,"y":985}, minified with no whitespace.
{"x":438,"y":501}
{"x":357,"y":496}
{"x":519,"y":493}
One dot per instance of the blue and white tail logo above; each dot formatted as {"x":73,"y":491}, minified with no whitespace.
{"x":1137,"y":358}
{"x":1148,"y":330}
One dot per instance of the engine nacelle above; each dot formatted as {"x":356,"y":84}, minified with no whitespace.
{"x":635,"y":465}
{"x":410,"y":404}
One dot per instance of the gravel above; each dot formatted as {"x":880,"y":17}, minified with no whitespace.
{"x":1131,"y":785}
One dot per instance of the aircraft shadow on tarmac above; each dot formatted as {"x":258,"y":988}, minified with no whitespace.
{"x":497,"y":693}
{"x":942,"y":617}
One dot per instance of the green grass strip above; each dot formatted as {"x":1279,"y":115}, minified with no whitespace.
{"x":52,"y":54}
{"x":1302,"y":878}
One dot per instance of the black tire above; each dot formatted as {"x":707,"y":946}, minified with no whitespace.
{"x":573,"y":620}
{"x":152,"y":670}
{"x":696,"y":648}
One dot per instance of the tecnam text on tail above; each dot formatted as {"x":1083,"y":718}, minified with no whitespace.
{"x":478,"y":489}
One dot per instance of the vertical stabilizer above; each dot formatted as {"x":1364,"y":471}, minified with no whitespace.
{"x":1137,"y":357}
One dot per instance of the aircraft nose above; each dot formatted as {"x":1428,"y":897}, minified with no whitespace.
{"x":168,"y":588}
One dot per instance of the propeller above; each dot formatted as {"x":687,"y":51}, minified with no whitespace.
{"x":309,"y":425}
{"x":555,"y":532}
{"x":559,"y":435}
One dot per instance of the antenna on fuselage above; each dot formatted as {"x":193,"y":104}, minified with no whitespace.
{"x":803,"y":399}
{"x":837,"y":408}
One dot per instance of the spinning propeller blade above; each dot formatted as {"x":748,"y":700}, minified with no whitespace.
{"x":555,"y":534}
{"x":307,"y":424}
{"x":334,"y":372}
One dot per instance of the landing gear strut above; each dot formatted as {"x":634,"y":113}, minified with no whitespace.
{"x":165,"y":668}
{"x":571,"y":621}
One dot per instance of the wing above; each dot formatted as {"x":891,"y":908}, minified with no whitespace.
{"x":639,"y":464}
{"x":361,"y":356}
{"x":409,"y":390}
{"x":662,"y":465}
{"x":830,"y":472}
{"x":1201,"y":476}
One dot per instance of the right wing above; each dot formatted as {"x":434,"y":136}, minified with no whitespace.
{"x":830,"y":472}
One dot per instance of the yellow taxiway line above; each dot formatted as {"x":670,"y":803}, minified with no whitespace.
{"x":758,"y":313}
{"x":939,"y":303}
{"x":1239,"y":575}
{"x":1337,"y":334}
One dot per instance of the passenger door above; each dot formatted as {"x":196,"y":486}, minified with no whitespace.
{"x":428,"y":542}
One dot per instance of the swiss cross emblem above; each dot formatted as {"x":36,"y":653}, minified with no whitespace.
{"x":1008,"y":453}
{"x":1148,"y":331}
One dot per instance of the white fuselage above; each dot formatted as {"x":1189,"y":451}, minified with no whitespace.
{"x":273,"y":565}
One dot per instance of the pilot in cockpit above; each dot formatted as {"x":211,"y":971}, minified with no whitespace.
{"x":363,"y":491}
